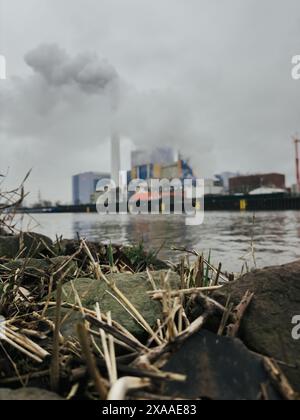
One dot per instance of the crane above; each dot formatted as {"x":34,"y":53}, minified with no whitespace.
{"x":297,"y":142}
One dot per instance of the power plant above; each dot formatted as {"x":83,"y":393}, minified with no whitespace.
{"x":115,"y":158}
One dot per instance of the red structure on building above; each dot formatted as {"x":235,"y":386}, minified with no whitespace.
{"x":246,"y":184}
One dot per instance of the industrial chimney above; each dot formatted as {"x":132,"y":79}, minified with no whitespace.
{"x":115,"y":158}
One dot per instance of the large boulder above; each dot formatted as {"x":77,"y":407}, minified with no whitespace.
{"x":217,"y":368}
{"x":267,"y":325}
{"x":25,"y":394}
{"x":134,"y":287}
{"x":25,"y":245}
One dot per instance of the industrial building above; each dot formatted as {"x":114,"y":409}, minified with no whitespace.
{"x":177,"y":170}
{"x":158,"y":163}
{"x":247,"y":183}
{"x":213,"y":187}
{"x":224,"y":178}
{"x":163,"y":156}
{"x":85,"y":185}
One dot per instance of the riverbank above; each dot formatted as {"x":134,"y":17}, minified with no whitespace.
{"x":79,"y":317}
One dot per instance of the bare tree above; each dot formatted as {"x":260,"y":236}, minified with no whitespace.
{"x":10,"y":202}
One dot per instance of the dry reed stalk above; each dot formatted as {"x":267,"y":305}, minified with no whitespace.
{"x":121,"y":388}
{"x":225,"y":316}
{"x":118,"y":342}
{"x":168,"y":320}
{"x":107,"y":357}
{"x":175,"y":310}
{"x":159,"y":294}
{"x":112,"y":352}
{"x":185,"y":318}
{"x":50,"y":323}
{"x":238,"y":313}
{"x":151,"y":279}
{"x":200,"y":272}
{"x":215,"y":282}
{"x":180,"y":320}
{"x":25,"y":342}
{"x":90,"y":361}
{"x":51,"y":282}
{"x":150,"y":373}
{"x":279,"y":380}
{"x":21,"y":349}
{"x":158,"y":352}
{"x":93,"y":314}
{"x":94,"y":334}
{"x":125,"y":308}
{"x":167,"y":309}
{"x":55,"y":368}
{"x":73,"y":392}
{"x":31,"y":333}
{"x":117,"y":334}
{"x":182,"y":273}
{"x":77,"y":299}
{"x":159,"y":330}
{"x":162,"y":332}
{"x":71,"y":258}
{"x":196,"y":254}
{"x":135,"y":313}
{"x":23,"y":378}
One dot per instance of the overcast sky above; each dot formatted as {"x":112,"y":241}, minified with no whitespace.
{"x":212,"y":77}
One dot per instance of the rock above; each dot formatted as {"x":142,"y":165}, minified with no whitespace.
{"x":217,"y":368}
{"x":67,"y":247}
{"x":3,"y":231}
{"x":24,"y":394}
{"x":25,"y":245}
{"x":137,"y":258}
{"x":267,"y":325}
{"x":36,"y":268}
{"x":134,"y":287}
{"x":9,"y":246}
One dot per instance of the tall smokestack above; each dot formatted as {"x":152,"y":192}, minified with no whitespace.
{"x":115,"y":158}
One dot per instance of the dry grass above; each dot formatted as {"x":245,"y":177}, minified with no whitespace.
{"x":91,"y":365}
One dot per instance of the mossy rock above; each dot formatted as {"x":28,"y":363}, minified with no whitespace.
{"x":25,"y":245}
{"x":133,"y":286}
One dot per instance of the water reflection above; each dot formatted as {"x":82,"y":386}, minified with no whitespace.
{"x":276,"y":235}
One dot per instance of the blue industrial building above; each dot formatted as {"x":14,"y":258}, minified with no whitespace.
{"x":85,"y":185}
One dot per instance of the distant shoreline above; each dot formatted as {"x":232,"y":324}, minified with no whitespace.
{"x":268,"y":202}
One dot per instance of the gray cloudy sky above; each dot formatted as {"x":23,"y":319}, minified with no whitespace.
{"x":212,"y":77}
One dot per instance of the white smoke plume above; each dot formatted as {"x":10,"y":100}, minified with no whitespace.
{"x":66,"y":108}
{"x":86,"y":70}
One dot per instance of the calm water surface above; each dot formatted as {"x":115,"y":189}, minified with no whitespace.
{"x":276,"y":235}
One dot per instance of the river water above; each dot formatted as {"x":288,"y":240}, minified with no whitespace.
{"x":229,"y":235}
